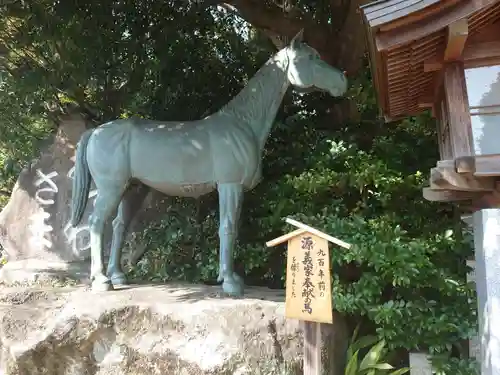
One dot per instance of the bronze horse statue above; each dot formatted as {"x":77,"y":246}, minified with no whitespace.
{"x":189,"y":159}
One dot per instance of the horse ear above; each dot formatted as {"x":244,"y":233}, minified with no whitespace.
{"x":297,"y":38}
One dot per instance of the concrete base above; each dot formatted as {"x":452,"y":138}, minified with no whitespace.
{"x":487,"y":253}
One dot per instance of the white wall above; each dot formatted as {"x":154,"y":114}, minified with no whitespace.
{"x":483,"y":90}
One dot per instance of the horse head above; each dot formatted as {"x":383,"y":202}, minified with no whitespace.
{"x":308,"y":72}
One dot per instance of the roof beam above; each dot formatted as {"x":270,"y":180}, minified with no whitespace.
{"x":424,"y":8}
{"x":457,"y":35}
{"x":482,"y":51}
{"x":449,"y":195}
{"x":479,"y":165}
{"x":473,"y":54}
{"x":426,"y":102}
{"x":418,"y":30}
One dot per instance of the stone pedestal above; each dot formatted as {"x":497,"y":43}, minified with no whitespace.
{"x":164,"y":329}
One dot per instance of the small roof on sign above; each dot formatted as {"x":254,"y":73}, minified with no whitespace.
{"x":303,"y":228}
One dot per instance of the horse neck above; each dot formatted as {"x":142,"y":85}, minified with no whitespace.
{"x":258,"y":103}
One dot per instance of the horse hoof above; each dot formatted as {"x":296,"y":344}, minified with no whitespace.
{"x":233,"y":286}
{"x":101,"y":284}
{"x":119,"y":279}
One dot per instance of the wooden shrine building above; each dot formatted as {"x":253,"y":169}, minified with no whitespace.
{"x":443,"y":56}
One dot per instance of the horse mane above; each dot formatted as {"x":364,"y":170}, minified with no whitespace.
{"x":250,"y":101}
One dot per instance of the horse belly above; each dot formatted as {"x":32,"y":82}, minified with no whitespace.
{"x":181,"y":190}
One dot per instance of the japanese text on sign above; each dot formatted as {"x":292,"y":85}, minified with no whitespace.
{"x":307,"y":245}
{"x":294,"y":268}
{"x":321,"y":273}
{"x":308,"y":287}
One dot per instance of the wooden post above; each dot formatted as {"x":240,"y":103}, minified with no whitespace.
{"x":458,"y":109}
{"x":308,"y":268}
{"x":312,"y":348}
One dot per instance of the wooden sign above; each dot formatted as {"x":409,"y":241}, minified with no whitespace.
{"x":308,"y":289}
{"x":308,"y":286}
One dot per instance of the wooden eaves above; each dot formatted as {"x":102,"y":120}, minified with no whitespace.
{"x":410,"y":40}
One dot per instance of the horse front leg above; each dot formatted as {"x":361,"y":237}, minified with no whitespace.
{"x":230,"y":202}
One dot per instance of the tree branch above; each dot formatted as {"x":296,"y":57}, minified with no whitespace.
{"x":285,"y":24}
{"x":341,"y":44}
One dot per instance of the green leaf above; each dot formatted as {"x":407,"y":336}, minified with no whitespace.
{"x":373,"y":356}
{"x":400,"y":371}
{"x":352,"y":365}
{"x":350,"y":349}
{"x":364,"y":342}
{"x":382,"y":366}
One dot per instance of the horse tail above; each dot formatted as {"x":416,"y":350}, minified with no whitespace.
{"x":81,"y":180}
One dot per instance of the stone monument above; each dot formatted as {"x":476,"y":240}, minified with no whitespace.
{"x":220,"y":152}
{"x":35,"y":230}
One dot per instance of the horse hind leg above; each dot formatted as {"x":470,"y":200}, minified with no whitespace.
{"x":106,"y":202}
{"x":131,"y":203}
